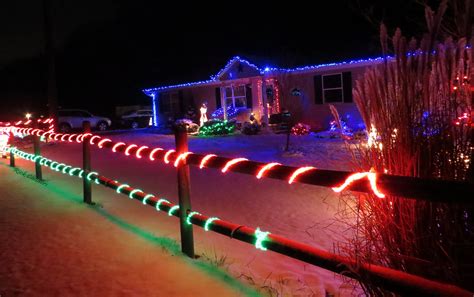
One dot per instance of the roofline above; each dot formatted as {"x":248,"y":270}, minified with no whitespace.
{"x":267,"y":70}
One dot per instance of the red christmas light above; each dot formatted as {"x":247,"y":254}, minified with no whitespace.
{"x":232,"y":162}
{"x":168,"y":153}
{"x":205,"y":160}
{"x":182,"y":157}
{"x":265,"y":168}
{"x":153,"y":152}
{"x":139,"y":151}
{"x":299,"y":171}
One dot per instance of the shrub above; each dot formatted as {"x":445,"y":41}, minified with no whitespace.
{"x":217,"y":127}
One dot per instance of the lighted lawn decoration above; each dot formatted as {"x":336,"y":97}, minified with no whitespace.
{"x":417,"y":107}
{"x":300,"y":129}
{"x":3,"y":144}
{"x":217,"y":127}
{"x":203,"y":117}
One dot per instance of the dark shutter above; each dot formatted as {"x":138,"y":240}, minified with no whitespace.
{"x":218,"y":98}
{"x":347,"y":84}
{"x":318,"y":89}
{"x":248,"y":95}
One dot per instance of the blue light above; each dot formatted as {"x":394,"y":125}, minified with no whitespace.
{"x":155,"y":115}
{"x":215,"y":79}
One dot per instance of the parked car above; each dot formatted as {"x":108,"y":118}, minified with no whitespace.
{"x":137,"y":118}
{"x":69,"y":119}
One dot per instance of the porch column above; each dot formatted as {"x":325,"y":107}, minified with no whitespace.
{"x":156,"y":109}
{"x":223,"y":103}
{"x":264,"y":102}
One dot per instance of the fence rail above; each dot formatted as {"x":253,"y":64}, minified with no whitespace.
{"x":387,"y":278}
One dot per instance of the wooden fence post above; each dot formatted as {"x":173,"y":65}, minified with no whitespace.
{"x":86,"y":163}
{"x":12,"y":159}
{"x":36,"y":144}
{"x":187,"y":240}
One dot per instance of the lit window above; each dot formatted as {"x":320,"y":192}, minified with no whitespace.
{"x":235,"y":96}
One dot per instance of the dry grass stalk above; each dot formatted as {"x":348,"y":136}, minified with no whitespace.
{"x":419,"y":104}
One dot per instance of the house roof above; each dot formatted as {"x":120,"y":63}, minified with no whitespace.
{"x":215,"y":79}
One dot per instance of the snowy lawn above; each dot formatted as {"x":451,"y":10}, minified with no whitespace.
{"x":300,"y":212}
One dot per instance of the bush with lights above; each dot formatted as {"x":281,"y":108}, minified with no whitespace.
{"x":217,"y":127}
{"x":300,"y":129}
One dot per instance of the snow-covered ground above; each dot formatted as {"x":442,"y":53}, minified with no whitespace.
{"x":299,"y":212}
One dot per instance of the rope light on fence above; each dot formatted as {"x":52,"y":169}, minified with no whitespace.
{"x":232,"y":162}
{"x":390,"y":278}
{"x":204,"y":159}
{"x":139,"y":151}
{"x":133,"y":192}
{"x":298,"y":172}
{"x":265,"y":168}
{"x":153,"y":152}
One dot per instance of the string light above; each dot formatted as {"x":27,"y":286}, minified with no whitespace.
{"x":168,"y":153}
{"x":81,"y":173}
{"x":139,"y":150}
{"x":181,"y":157}
{"x":65,"y":168}
{"x":153,"y":152}
{"x":121,"y":187}
{"x":128,"y":149}
{"x":103,"y":141}
{"x":145,"y":199}
{"x":114,"y":148}
{"x":172,"y":209}
{"x":88,"y":177}
{"x":205,"y":160}
{"x":298,"y":172}
{"x":189,"y":216}
{"x":70,"y":137}
{"x":232,"y":162}
{"x":71,"y":172}
{"x":91,"y":141}
{"x":209,"y":221}
{"x":158,"y":203}
{"x":260,"y":238}
{"x":130,"y":195}
{"x":265,"y":168}
{"x":371,"y":176}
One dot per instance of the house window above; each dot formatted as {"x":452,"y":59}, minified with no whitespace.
{"x":235,"y":96}
{"x":332,"y":88}
{"x":169,"y":102}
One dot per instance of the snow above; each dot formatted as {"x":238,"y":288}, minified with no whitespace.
{"x":121,"y":236}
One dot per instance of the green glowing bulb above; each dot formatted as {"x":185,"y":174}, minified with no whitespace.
{"x":261,"y":236}
{"x":188,"y":218}
{"x":133,"y":192}
{"x":90,"y":174}
{"x":172,"y":209}
{"x":208,"y":222}
{"x":81,"y":174}
{"x":71,"y":172}
{"x":66,"y":168}
{"x":146,"y":198}
{"x":121,"y":187}
{"x":52,"y":165}
{"x":157,"y":206}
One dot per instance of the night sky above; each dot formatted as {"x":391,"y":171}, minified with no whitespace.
{"x":107,"y":50}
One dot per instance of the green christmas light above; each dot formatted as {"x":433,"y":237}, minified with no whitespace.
{"x":133,"y":192}
{"x":121,"y":187}
{"x":66,"y":168}
{"x":172,"y":209}
{"x":81,"y":174}
{"x":209,"y":221}
{"x":72,"y":170}
{"x":88,"y":177}
{"x":188,"y":218}
{"x":261,"y":236}
{"x":146,"y":198}
{"x":52,"y":165}
{"x":157,"y":206}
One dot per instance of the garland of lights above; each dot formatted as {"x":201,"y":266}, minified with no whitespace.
{"x":260,"y":236}
{"x":179,"y":158}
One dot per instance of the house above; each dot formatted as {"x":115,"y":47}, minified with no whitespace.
{"x":241,"y":88}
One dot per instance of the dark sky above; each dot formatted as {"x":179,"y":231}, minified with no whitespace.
{"x":108,"y":50}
